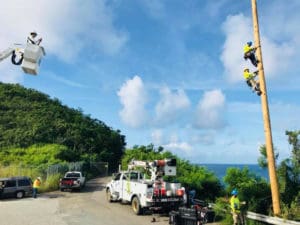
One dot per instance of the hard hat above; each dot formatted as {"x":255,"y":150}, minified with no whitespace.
{"x":246,"y":69}
{"x":39,"y":178}
{"x":249,"y":43}
{"x":234,"y":192}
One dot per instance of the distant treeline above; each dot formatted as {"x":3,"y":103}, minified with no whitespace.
{"x":30,"y":118}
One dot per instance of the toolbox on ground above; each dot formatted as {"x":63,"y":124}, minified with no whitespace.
{"x":188,"y":216}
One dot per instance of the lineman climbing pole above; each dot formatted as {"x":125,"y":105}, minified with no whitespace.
{"x":266,"y":117}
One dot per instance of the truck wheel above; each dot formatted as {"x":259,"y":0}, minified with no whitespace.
{"x":108,"y":195}
{"x":19,"y":194}
{"x":136,"y":206}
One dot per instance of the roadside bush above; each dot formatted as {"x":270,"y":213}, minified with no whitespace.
{"x":51,"y":183}
{"x":222,"y":211}
{"x":14,"y":170}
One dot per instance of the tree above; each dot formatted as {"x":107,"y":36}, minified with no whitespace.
{"x":295,"y":157}
{"x":262,"y":160}
{"x":252,"y":189}
{"x":288,"y":172}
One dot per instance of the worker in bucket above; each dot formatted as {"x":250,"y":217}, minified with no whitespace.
{"x":251,"y":82}
{"x":249,"y":53}
{"x":235,"y":208}
{"x":32,"y":38}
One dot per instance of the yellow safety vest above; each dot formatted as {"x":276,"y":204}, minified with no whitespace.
{"x":36,"y":183}
{"x":248,"y":75}
{"x":247,"y":49}
{"x":235,"y":204}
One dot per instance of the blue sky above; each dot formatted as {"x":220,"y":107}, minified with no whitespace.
{"x":166,"y":72}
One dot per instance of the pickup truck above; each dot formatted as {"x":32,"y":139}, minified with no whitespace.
{"x":72,"y":180}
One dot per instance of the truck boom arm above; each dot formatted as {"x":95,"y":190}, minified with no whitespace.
{"x":6,"y":53}
{"x":158,"y":168}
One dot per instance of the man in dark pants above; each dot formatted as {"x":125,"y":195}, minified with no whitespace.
{"x":36,"y":186}
{"x":249,"y":53}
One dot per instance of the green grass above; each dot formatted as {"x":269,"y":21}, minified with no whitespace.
{"x":49,"y":183}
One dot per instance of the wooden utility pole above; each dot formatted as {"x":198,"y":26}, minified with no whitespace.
{"x":266,"y":117}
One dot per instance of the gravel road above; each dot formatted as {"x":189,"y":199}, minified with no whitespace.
{"x":88,"y":207}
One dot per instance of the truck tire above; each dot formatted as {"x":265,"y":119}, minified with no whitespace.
{"x":19,"y":194}
{"x":136,"y":206}
{"x":108,"y":195}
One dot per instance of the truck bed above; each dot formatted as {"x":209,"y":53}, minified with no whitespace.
{"x":69,"y":183}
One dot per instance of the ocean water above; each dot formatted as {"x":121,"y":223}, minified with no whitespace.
{"x":220,"y":169}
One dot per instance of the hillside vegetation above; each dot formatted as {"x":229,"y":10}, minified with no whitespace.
{"x":30,"y":120}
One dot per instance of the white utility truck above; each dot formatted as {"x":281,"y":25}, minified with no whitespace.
{"x":144,"y":193}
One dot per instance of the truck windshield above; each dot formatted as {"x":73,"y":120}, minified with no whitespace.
{"x":134,"y":175}
{"x":73,"y":175}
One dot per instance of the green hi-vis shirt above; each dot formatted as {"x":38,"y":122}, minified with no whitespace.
{"x":247,"y":49}
{"x":248,"y":75}
{"x":235,"y":204}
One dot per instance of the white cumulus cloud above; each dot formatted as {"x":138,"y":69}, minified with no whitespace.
{"x":133,"y":97}
{"x":177,"y":146}
{"x":157,"y":137}
{"x":10,"y":73}
{"x":171,"y":104}
{"x":238,"y":29}
{"x":210,"y":110}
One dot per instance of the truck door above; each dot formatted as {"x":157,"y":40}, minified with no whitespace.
{"x":130,"y":185}
{"x":116,"y":185}
{"x":127,"y":186}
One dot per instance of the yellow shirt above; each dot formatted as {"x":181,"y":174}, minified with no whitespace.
{"x":248,"y":75}
{"x":36,"y":183}
{"x":247,"y":49}
{"x":235,"y":204}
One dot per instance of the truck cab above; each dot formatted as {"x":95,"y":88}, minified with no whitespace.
{"x":122,"y":182}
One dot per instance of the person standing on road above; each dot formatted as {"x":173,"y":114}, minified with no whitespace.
{"x":235,"y":208}
{"x":36,"y":186}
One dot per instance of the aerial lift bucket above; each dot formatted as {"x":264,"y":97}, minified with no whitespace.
{"x":33,"y":55}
